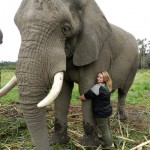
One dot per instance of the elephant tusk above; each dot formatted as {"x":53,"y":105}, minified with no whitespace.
{"x":8,"y":86}
{"x":54,"y":92}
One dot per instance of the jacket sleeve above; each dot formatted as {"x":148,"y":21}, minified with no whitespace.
{"x":89,"y":94}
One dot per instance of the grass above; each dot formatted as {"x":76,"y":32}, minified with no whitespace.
{"x":139,"y":93}
{"x":128,"y":134}
{"x":12,"y":96}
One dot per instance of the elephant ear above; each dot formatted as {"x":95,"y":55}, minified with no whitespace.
{"x":95,"y":32}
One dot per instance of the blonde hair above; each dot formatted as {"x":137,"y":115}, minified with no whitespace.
{"x":107,"y":79}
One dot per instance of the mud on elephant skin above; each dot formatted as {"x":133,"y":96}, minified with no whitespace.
{"x":69,"y":41}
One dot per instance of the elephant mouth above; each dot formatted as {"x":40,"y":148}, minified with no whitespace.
{"x":54,"y":92}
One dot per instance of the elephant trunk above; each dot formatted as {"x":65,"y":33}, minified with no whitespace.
{"x":32,"y":88}
{"x":36,"y":122}
{"x":37,"y":65}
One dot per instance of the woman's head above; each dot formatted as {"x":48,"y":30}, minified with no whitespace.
{"x":103,"y":77}
{"x":100,"y":78}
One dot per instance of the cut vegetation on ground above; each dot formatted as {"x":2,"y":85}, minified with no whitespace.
{"x":133,"y":133}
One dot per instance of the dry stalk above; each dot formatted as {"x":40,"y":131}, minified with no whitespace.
{"x":127,"y":130}
{"x":17,"y":110}
{"x":137,"y":131}
{"x":147,"y":146}
{"x":120,"y":128}
{"x":76,"y":106}
{"x":78,"y":145}
{"x":6,"y":147}
{"x":72,"y":123}
{"x":123,"y":146}
{"x":140,"y":145}
{"x":122,"y":136}
{"x":75,"y":133}
{"x":72,"y":115}
{"x":126,"y":139}
{"x":145,"y":138}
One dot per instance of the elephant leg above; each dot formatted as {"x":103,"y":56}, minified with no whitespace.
{"x":60,"y":135}
{"x":120,"y":114}
{"x":122,"y":93}
{"x":36,"y":123}
{"x":90,"y":137}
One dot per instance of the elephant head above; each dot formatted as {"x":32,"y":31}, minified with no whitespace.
{"x":1,"y":37}
{"x":53,"y":32}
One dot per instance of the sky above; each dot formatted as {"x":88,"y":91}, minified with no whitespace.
{"x":131,"y":15}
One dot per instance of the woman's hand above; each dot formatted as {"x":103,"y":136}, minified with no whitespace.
{"x":81,"y":97}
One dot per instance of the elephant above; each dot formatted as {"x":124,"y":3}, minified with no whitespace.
{"x":1,"y":37}
{"x":65,"y":42}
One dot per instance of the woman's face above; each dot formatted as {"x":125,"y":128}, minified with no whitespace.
{"x":100,"y":78}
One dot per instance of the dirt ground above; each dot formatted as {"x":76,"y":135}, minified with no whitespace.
{"x":139,"y":117}
{"x":138,"y":121}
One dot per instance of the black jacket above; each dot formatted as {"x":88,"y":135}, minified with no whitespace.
{"x":100,"y":96}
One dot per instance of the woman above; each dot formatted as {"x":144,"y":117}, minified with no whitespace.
{"x":101,"y":107}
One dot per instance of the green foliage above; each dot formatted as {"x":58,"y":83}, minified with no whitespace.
{"x":138,"y":93}
{"x":144,"y":51}
{"x":75,"y":94}
{"x":7,"y":65}
{"x":12,"y":96}
{"x":14,"y":130}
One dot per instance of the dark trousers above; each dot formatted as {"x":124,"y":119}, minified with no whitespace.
{"x":104,"y":128}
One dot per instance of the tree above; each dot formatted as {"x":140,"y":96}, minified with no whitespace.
{"x":144,"y":50}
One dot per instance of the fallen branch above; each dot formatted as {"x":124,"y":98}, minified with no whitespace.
{"x":126,"y":139}
{"x":140,"y":145}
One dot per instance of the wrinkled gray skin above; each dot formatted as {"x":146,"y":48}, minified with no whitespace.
{"x":71,"y":36}
{"x":1,"y":37}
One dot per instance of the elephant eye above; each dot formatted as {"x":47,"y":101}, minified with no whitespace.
{"x":66,"y":29}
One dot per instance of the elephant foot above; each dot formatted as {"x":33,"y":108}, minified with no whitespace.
{"x":89,"y":141}
{"x":60,"y":135}
{"x":90,"y":137}
{"x":120,"y":116}
{"x":108,"y":148}
{"x":58,"y":138}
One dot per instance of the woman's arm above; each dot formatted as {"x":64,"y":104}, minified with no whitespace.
{"x":88,"y":95}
